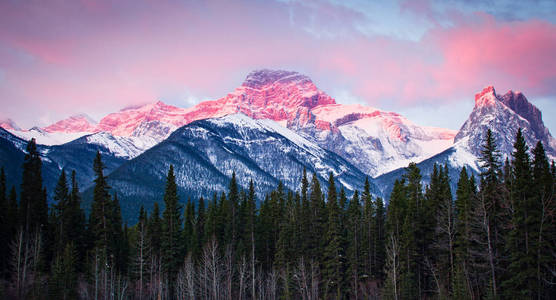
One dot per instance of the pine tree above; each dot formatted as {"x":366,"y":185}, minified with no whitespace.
{"x":463,"y":214}
{"x":305,"y":222}
{"x":75,"y":220}
{"x":522,"y":240}
{"x":61,"y":205}
{"x":490,"y":192}
{"x":101,"y":218}
{"x":353,"y":249}
{"x":5,"y":232}
{"x":34,"y":210}
{"x":413,"y":248}
{"x":334,"y":256}
{"x":250,"y":226}
{"x":380,"y":238}
{"x":318,"y":219}
{"x":200,"y":228}
{"x":543,"y":197}
{"x":142,"y":253}
{"x":154,"y":231}
{"x":62,"y":283}
{"x":188,"y":228}
{"x":171,"y":230}
{"x":368,"y":239}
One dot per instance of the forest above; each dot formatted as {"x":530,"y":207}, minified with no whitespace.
{"x":494,"y":237}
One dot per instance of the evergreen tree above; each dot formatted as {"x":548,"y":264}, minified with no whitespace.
{"x":543,"y":178}
{"x":368,"y":239}
{"x":154,"y":231}
{"x":171,"y":230}
{"x":380,"y":236}
{"x":61,"y":205}
{"x":353,"y":248}
{"x":5,"y":232}
{"x":318,"y":219}
{"x":75,"y":220}
{"x":34,"y":210}
{"x":62,"y":283}
{"x":490,"y":195}
{"x":102,"y":211}
{"x":305,"y":222}
{"x":333,"y":264}
{"x":189,"y":232}
{"x":463,"y":207}
{"x":200,"y":228}
{"x":522,"y":240}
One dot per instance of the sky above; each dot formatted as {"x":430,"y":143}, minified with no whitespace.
{"x":423,"y":59}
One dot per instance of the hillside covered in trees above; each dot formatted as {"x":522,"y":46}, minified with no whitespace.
{"x":492,"y":238}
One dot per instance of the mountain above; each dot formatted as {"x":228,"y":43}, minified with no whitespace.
{"x":375,"y":141}
{"x":9,"y":124}
{"x":206,"y":152}
{"x":503,"y":115}
{"x":77,"y":155}
{"x":77,"y":123}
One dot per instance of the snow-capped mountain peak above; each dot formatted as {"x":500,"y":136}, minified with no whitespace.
{"x":504,"y":115}
{"x":76,"y":123}
{"x":9,"y":124}
{"x":487,"y":97}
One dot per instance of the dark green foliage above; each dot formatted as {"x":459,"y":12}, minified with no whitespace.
{"x":5,"y":230}
{"x":334,"y":253}
{"x":62,"y":283}
{"x":101,"y":221}
{"x":493,"y":242}
{"x":34,"y":210}
{"x":171,"y":242}
{"x":522,"y":239}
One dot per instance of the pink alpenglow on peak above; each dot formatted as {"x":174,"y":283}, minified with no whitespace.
{"x":124,"y":122}
{"x":9,"y":124}
{"x":487,"y":97}
{"x":77,"y":123}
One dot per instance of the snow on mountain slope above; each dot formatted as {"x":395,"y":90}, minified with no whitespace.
{"x":503,"y":115}
{"x":70,"y":156}
{"x":73,"y":124}
{"x":121,"y":146}
{"x":491,"y":112}
{"x":204,"y":154}
{"x":9,"y":124}
{"x":375,"y":141}
{"x":48,"y":138}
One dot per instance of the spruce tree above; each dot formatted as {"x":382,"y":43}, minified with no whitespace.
{"x":34,"y":210}
{"x":380,"y":238}
{"x":102,"y":211}
{"x":154,"y":231}
{"x":333,"y":264}
{"x":62,"y":283}
{"x":171,"y":230}
{"x":189,"y":228}
{"x":61,"y":204}
{"x":353,"y":248}
{"x":522,"y":241}
{"x":318,"y":219}
{"x":493,"y":207}
{"x":200,"y":228}
{"x":5,"y":232}
{"x":368,"y":239}
{"x":544,"y":198}
{"x":75,"y":220}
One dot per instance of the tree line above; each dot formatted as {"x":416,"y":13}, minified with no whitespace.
{"x":496,"y":239}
